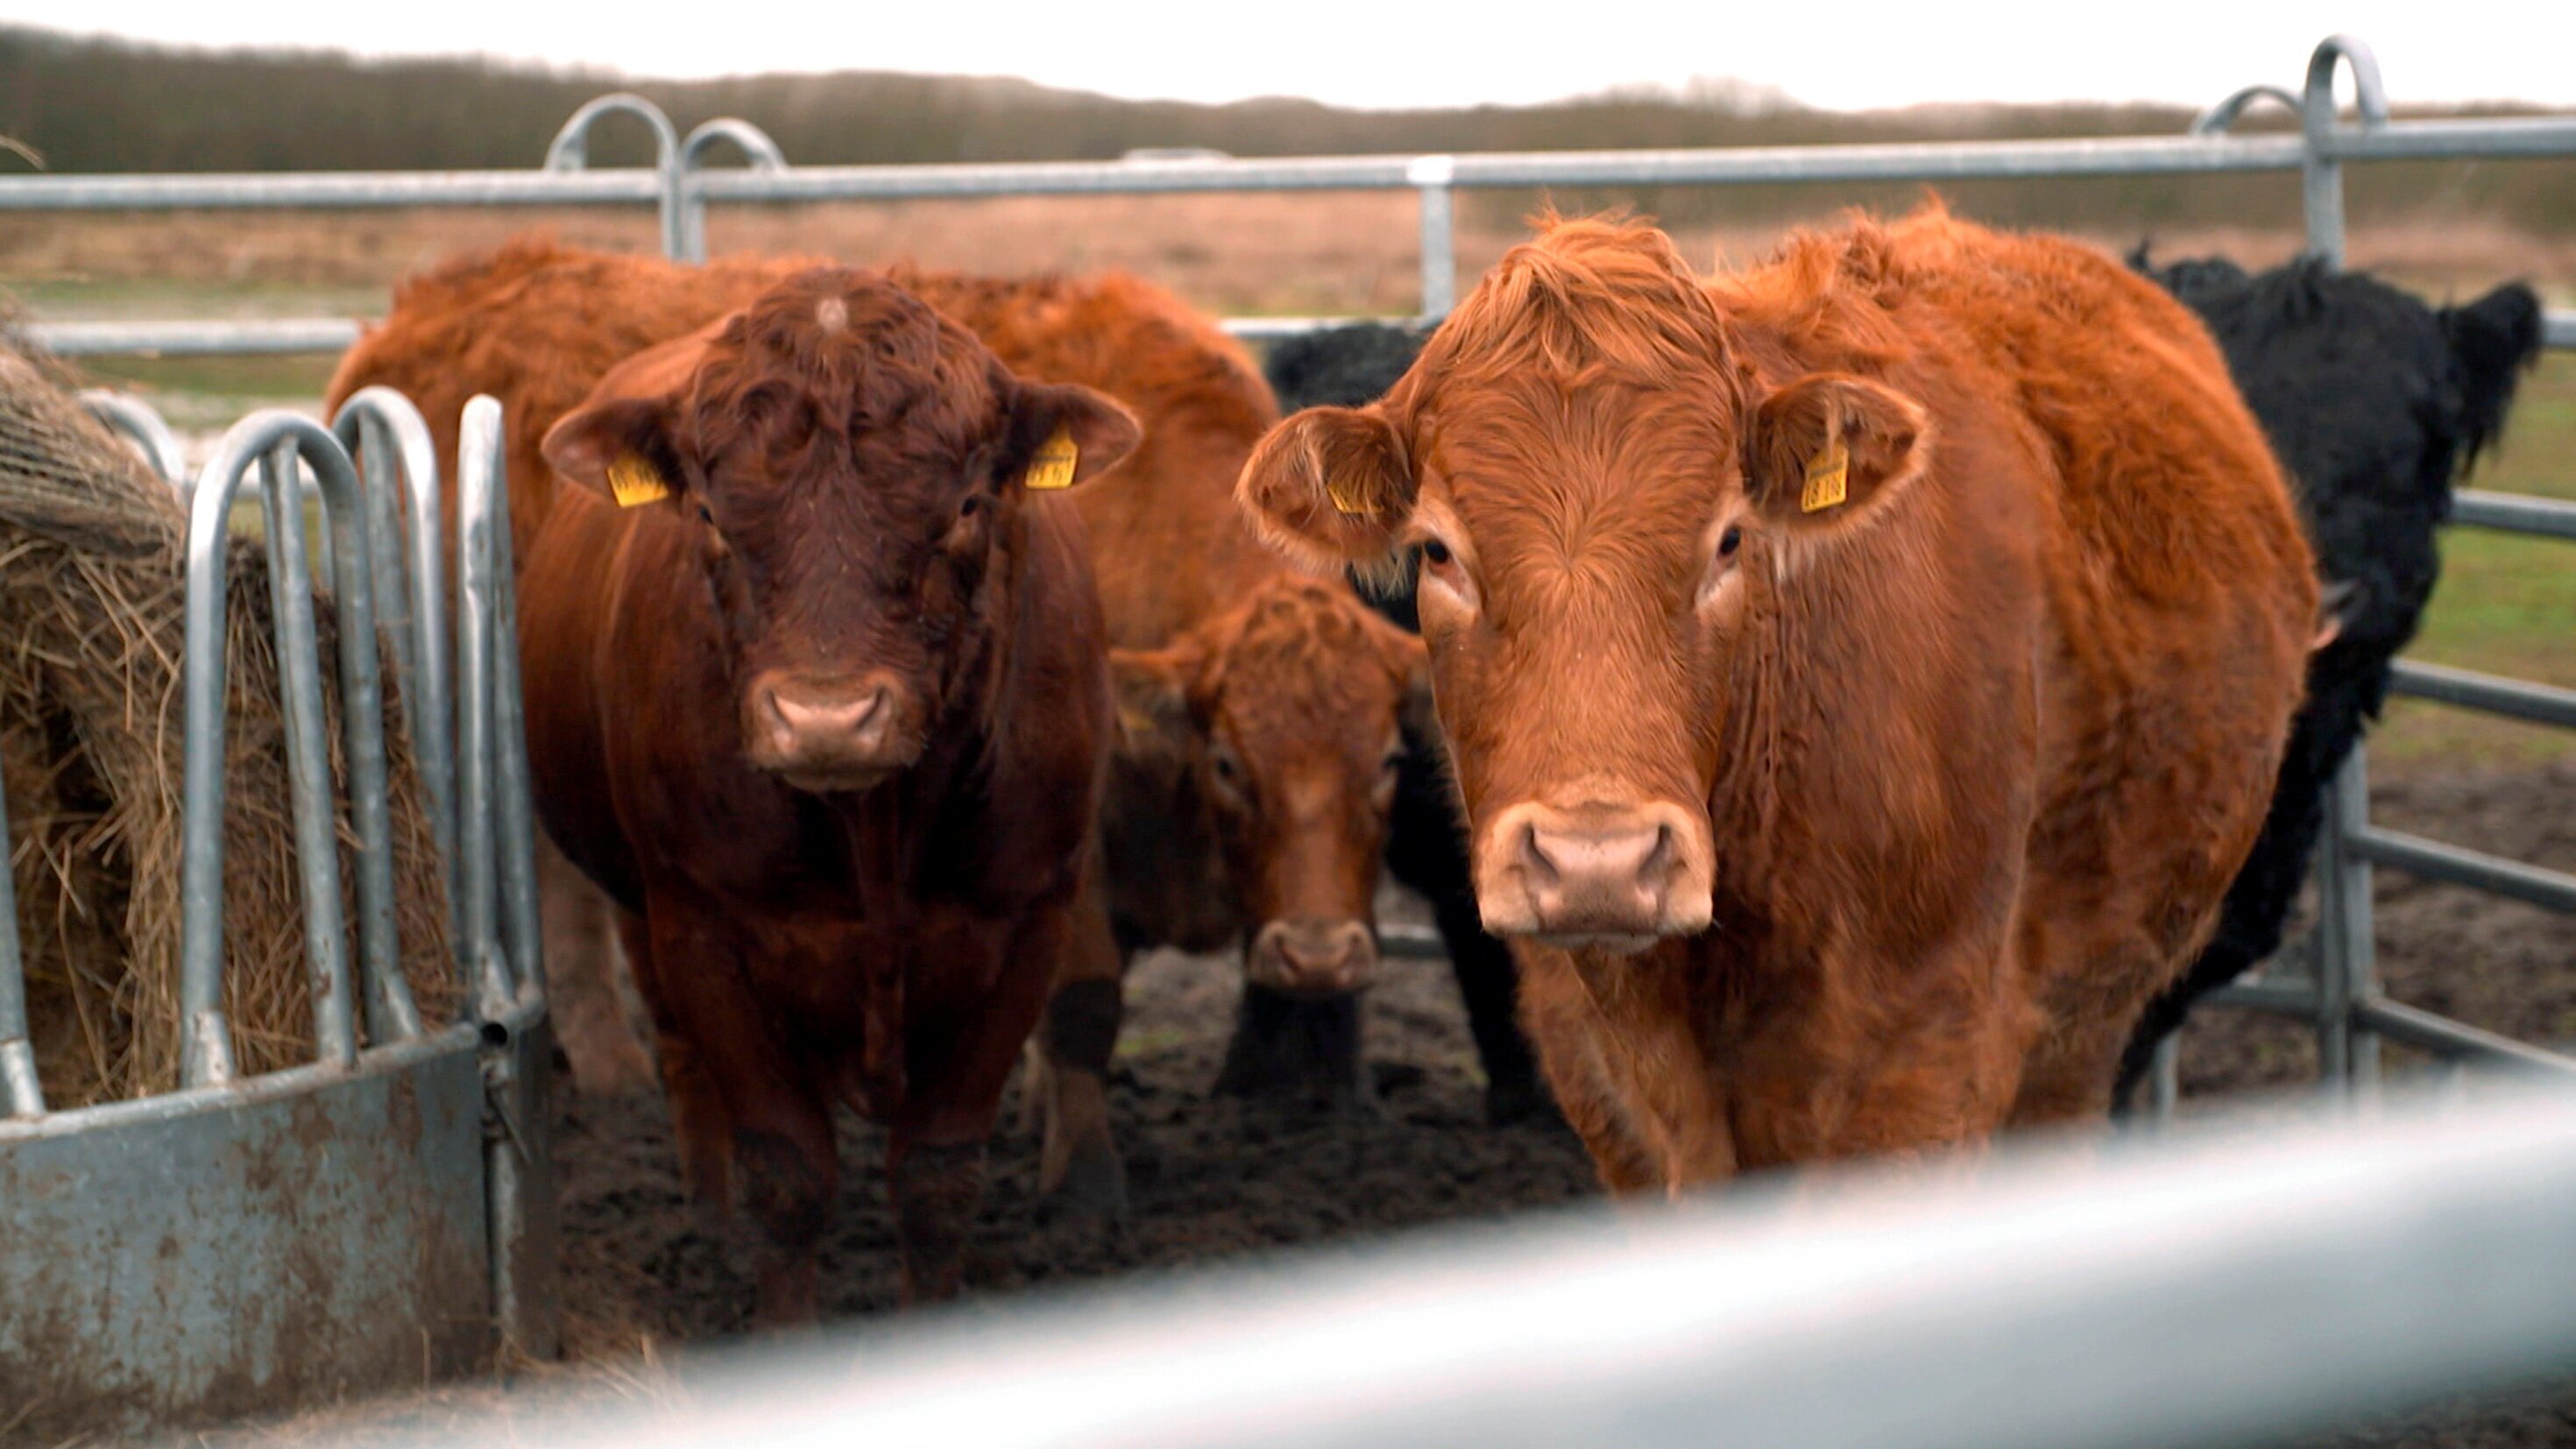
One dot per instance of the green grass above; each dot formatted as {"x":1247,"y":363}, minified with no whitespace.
{"x":2506,"y":604}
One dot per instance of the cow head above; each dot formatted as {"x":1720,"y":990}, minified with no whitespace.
{"x":853,"y":467}
{"x":1283,"y":718}
{"x":1610,"y":492}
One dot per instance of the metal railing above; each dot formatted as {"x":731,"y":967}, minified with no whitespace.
{"x":681,"y":186}
{"x":389,"y":1120}
{"x":2196,"y":1288}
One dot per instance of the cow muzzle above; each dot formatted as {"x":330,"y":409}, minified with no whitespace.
{"x":1597,"y":876}
{"x":825,"y":734}
{"x":1309,"y":957}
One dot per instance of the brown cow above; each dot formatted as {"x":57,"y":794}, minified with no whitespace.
{"x":1864,"y":672}
{"x":1259,"y":709}
{"x":825,"y":709}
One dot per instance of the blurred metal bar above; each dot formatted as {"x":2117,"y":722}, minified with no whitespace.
{"x":1431,"y":176}
{"x":758,"y":151}
{"x":2514,"y":512}
{"x":2558,"y":329}
{"x":2424,"y":1031}
{"x":2347,"y":971}
{"x":21,"y":1095}
{"x":2513,"y":698}
{"x":569,"y":154}
{"x":337,"y":190}
{"x":193,"y":339}
{"x":142,"y":425}
{"x":2434,"y":860}
{"x":2050,"y":1298}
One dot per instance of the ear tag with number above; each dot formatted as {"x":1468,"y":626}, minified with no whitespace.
{"x":1053,"y":464}
{"x":1828,"y":476}
{"x":633,"y":482}
{"x":1347,"y":499}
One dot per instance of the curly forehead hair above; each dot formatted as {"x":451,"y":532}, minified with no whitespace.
{"x":863,"y":354}
{"x":1296,"y":627}
{"x":1597,"y":296}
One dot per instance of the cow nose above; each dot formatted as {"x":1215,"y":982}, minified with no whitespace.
{"x":832,"y":734}
{"x":804,"y":724}
{"x":1308,"y":957}
{"x":1595,"y":875}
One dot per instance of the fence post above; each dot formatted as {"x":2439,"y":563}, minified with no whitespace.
{"x":2322,"y":175}
{"x":1431,"y":177}
{"x":2346,"y":972}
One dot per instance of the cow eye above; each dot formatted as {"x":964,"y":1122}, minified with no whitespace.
{"x":968,"y":508}
{"x":1228,"y":770}
{"x":1729,"y":541}
{"x":1435,"y":553}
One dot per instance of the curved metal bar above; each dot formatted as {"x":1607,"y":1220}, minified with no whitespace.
{"x":759,"y":152}
{"x":480,"y":516}
{"x":143,"y":427}
{"x":391,"y":428}
{"x":279,"y":440}
{"x":2370,"y":97}
{"x":2219,"y":119}
{"x":570,"y":151}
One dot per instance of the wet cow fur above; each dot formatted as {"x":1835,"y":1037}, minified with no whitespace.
{"x":2374,"y":403}
{"x":827,"y":716}
{"x":1827,"y":656}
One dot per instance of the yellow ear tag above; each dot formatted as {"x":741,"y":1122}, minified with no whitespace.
{"x":633,"y":482}
{"x":1053,"y":464}
{"x":1345,"y":501}
{"x":1826,"y":478}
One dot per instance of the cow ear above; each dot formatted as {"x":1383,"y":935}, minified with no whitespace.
{"x":1062,"y":435}
{"x":619,"y":441}
{"x":1151,"y":690}
{"x":1329,"y":487}
{"x":2496,"y":338}
{"x":1830,"y":447}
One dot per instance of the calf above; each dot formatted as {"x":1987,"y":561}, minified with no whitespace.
{"x":2373,"y":402}
{"x":1863,"y":674}
{"x":820,"y":701}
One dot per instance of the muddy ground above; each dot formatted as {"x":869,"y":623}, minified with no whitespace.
{"x":1213,"y":1178}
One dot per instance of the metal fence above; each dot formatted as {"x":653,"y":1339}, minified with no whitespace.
{"x":241,"y":1243}
{"x":2469,"y":1211}
{"x":2197,"y":1288}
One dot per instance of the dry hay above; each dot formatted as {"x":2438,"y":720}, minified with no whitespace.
{"x":92,"y":626}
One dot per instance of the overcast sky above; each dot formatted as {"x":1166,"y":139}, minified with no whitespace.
{"x":1845,"y":54}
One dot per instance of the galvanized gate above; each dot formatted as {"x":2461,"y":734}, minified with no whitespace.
{"x":384,"y":1214}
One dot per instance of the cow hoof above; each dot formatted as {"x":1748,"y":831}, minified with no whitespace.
{"x":1093,"y":1189}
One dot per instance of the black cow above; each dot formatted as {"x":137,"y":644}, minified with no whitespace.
{"x":2374,"y":403}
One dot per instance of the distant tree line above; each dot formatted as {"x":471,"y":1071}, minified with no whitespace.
{"x":101,"y":106}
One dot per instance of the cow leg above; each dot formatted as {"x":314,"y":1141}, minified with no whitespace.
{"x":1079,"y":1169}
{"x":959,"y":1054}
{"x":1294,"y":1047}
{"x":585,"y":994}
{"x":1489,"y":988}
{"x":1426,"y":851}
{"x":751,"y":1133}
